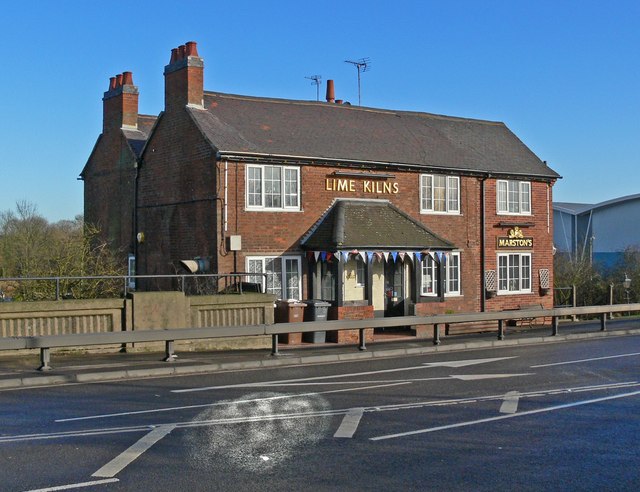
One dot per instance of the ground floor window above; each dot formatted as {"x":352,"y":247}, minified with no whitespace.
{"x":283,"y":275}
{"x":430,"y":275}
{"x":514,"y":273}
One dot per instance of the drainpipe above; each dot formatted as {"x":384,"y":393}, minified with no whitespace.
{"x":483,"y":240}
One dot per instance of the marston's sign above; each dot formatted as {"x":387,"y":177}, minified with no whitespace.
{"x":515,"y":239}
{"x":365,"y":186}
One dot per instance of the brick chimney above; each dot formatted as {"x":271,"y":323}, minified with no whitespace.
{"x":120,"y":103}
{"x":184,"y":78}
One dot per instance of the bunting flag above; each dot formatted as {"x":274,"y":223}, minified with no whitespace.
{"x":323,"y":255}
{"x":394,"y":255}
{"x":379,"y":256}
{"x":363,"y":255}
{"x":386,"y":255}
{"x":345,"y":255}
{"x":418,"y":256}
{"x":402,"y":254}
{"x":316,"y":254}
{"x":370,"y":256}
{"x":336,"y":255}
{"x":329,"y":255}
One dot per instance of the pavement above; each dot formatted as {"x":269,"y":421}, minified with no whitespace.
{"x":79,"y":366}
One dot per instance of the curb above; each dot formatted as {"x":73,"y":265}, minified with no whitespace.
{"x":282,"y":361}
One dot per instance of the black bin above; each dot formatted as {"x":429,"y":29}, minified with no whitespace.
{"x":316,"y":310}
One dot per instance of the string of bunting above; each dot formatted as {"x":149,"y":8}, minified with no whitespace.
{"x":370,"y":256}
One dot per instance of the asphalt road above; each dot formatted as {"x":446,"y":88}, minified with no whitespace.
{"x":562,"y":416}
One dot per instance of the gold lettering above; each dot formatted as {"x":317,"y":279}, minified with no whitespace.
{"x":352,"y":185}
{"x":395,"y":188}
{"x":343,"y":185}
{"x":366,"y":186}
{"x":387,"y":187}
{"x":327,"y":184}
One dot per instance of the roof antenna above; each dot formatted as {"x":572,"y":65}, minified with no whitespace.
{"x":315,"y":80}
{"x":362,"y":65}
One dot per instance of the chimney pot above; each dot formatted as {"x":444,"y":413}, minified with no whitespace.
{"x":331,"y":93}
{"x":127,"y":78}
{"x":339,"y":101}
{"x":174,"y":56}
{"x":119,"y":80}
{"x":191,"y":49}
{"x":181,"y":51}
{"x":112,"y":83}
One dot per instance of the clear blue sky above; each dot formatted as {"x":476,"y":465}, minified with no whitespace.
{"x":564,"y":75}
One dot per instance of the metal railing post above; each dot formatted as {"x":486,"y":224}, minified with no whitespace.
{"x":45,"y":359}
{"x":603,"y":322}
{"x":169,"y":354}
{"x":500,"y":329}
{"x":436,"y":334}
{"x":57,"y":288}
{"x":274,"y":344}
{"x":554,"y":326}
{"x":362,"y":345}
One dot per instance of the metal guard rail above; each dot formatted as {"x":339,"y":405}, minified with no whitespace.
{"x":169,"y":335}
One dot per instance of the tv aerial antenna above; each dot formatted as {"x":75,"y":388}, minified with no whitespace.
{"x":362,"y":65}
{"x":316,"y":80}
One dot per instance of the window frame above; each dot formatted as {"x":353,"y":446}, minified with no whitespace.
{"x":429,"y":263}
{"x":285,"y":195}
{"x":450,"y":200}
{"x":283,"y":275}
{"x":524,"y":269}
{"x":506,"y":204}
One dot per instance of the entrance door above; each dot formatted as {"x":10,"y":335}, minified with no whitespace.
{"x":394,"y":287}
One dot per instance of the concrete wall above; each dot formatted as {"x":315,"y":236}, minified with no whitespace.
{"x":143,"y":311}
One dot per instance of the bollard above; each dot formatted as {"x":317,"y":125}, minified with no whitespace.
{"x":274,"y":344}
{"x":554,"y":326}
{"x":500,"y":329}
{"x":436,"y":334}
{"x":603,"y":322}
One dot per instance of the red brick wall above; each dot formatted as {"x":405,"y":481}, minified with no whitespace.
{"x":276,"y":233}
{"x":177,"y":197}
{"x":109,"y":182}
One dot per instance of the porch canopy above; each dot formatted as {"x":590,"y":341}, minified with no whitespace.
{"x":371,"y":226}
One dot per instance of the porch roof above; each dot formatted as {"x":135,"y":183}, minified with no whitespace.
{"x":370,"y":224}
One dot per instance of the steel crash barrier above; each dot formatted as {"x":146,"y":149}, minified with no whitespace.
{"x":46,"y":342}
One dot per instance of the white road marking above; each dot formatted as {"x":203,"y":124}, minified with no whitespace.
{"x":510,"y":403}
{"x":327,"y":413}
{"x":477,"y":377}
{"x":349,"y":423}
{"x":502,"y":417}
{"x":463,"y":363}
{"x":75,"y":485}
{"x":205,"y":405}
{"x":587,"y":360}
{"x":457,"y":363}
{"x":117,"y":464}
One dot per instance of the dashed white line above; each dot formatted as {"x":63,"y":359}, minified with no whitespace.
{"x":510,"y":403}
{"x":349,"y":423}
{"x":117,"y":464}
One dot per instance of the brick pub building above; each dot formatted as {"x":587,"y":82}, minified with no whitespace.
{"x":379,"y":212}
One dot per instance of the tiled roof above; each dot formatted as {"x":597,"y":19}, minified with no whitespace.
{"x":369,"y":224}
{"x":319,"y":130}
{"x":137,"y":138}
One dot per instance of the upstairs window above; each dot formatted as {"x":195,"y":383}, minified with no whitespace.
{"x":439,"y":194}
{"x":273,"y":188}
{"x":514,"y":197}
